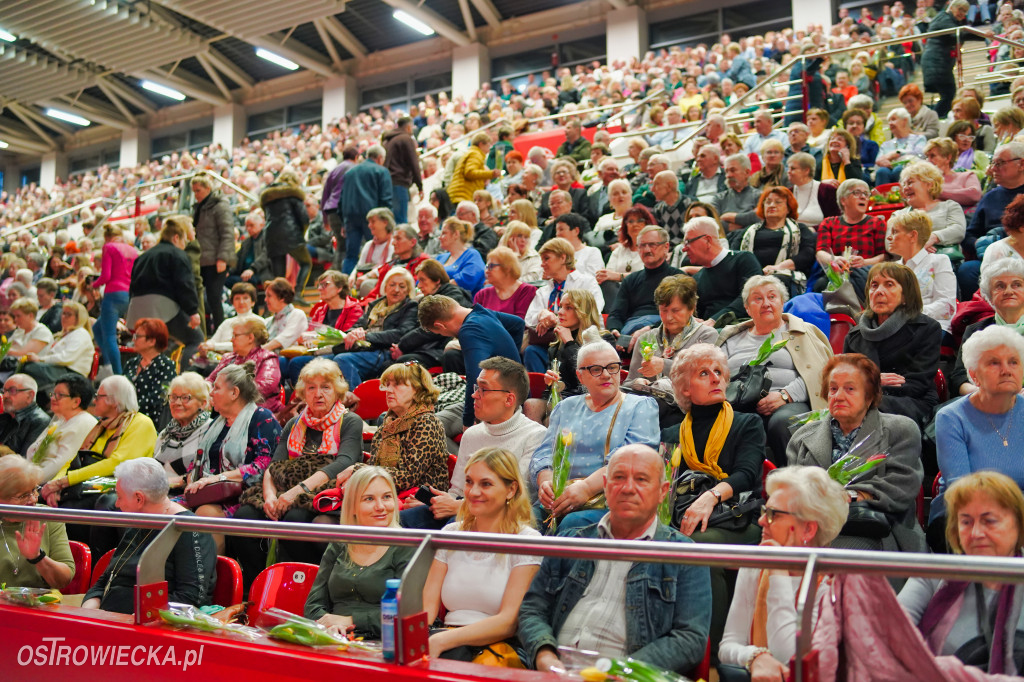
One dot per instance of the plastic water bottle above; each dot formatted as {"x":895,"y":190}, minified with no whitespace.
{"x":389,"y":619}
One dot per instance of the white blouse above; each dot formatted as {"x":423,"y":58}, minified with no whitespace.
{"x":74,"y":350}
{"x":938,"y":285}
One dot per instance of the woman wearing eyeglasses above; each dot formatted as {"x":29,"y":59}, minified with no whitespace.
{"x":805,"y":508}
{"x":601,"y":420}
{"x":188,"y":398}
{"x":71,"y":349}
{"x":864,"y":234}
{"x":35,"y":553}
{"x":69,"y":401}
{"x":149,"y":369}
{"x":247,"y":341}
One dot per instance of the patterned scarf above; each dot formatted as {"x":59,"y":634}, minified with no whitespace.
{"x":670,"y":347}
{"x":116,"y":425}
{"x":555,"y":297}
{"x":175,"y":435}
{"x":330,"y":424}
{"x":232,"y":449}
{"x":379,"y":312}
{"x":278,"y":319}
{"x":716,"y":440}
{"x":790,"y":239}
{"x":389,"y":448}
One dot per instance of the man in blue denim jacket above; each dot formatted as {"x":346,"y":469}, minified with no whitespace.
{"x":657,"y":613}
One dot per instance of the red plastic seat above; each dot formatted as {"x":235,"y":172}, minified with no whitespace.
{"x":703,"y":669}
{"x":766,"y":469}
{"x":935,"y":485}
{"x":100,"y":566}
{"x":941,"y":387}
{"x":537,"y":385}
{"x":228,"y":589}
{"x":95,"y":365}
{"x":372,"y":402}
{"x":452,"y":459}
{"x":83,"y":569}
{"x":283,"y":586}
{"x":840,"y":326}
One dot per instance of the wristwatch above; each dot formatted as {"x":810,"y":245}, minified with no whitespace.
{"x":42,"y":555}
{"x":785,"y":395}
{"x":717,"y":494}
{"x":222,"y":477}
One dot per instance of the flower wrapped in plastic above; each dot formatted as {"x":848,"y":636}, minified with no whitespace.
{"x":188,"y":616}
{"x":767,"y":349}
{"x":29,"y":596}
{"x":561,"y":465}
{"x":671,"y":467}
{"x":289,"y":627}
{"x":42,"y":453}
{"x":851,"y":468}
{"x":648,"y":347}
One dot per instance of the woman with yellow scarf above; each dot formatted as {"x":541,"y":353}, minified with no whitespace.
{"x":840,"y":162}
{"x":715,"y":440}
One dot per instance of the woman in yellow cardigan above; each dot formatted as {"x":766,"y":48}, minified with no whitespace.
{"x":470,"y":172}
{"x":121,"y":433}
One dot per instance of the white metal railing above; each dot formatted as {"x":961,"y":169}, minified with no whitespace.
{"x":811,"y":561}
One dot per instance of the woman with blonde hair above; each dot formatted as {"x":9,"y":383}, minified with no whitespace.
{"x":922,"y":184}
{"x":71,"y":350}
{"x":462,"y":263}
{"x":471,"y":172}
{"x":962,"y":187}
{"x":519,"y":237}
{"x":352,"y":577}
{"x":507,"y":293}
{"x":479,"y":615}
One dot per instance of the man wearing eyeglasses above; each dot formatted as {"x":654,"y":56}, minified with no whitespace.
{"x":22,"y":420}
{"x":634,"y":306}
{"x":723,"y":273}
{"x":1007,"y":172}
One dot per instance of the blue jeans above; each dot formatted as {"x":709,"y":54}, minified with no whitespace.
{"x":972,"y":12}
{"x":113,"y":307}
{"x":967,"y":278}
{"x":356,"y":234}
{"x":421,"y":517}
{"x":362,"y":364}
{"x":400,"y":203}
{"x":290,"y":369}
{"x":884,"y":176}
{"x":536,"y":359}
{"x":634,"y":323}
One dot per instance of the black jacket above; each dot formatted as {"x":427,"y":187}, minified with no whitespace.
{"x":694,"y":183}
{"x":913,"y":352}
{"x":18,"y":434}
{"x":580,"y":204}
{"x":253,"y":254}
{"x":742,"y":455}
{"x":166,"y":270}
{"x":939,"y":55}
{"x":286,"y":218}
{"x":395,"y":326}
{"x":51,"y":318}
{"x":484,"y":239}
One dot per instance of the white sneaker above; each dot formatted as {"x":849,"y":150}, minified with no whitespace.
{"x":103,"y":372}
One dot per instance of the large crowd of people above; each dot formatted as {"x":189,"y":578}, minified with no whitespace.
{"x":667,"y":303}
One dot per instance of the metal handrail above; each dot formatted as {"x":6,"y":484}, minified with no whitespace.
{"x":54,"y":216}
{"x":452,"y":143}
{"x":811,"y":561}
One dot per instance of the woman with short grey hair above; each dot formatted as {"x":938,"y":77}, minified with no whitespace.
{"x":176,"y":446}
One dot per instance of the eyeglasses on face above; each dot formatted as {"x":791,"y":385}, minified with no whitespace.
{"x":650,"y":245}
{"x":1000,"y":163}
{"x":54,"y":395}
{"x":491,"y":266}
{"x":480,"y":390}
{"x":769,"y":514}
{"x":26,"y":497}
{"x":597,"y":370}
{"x":687,"y":242}
{"x":183,"y":399}
{"x":13,"y":391}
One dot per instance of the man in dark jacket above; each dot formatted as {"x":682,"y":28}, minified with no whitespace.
{"x":163,"y":287}
{"x":403,"y":162}
{"x":215,"y":230}
{"x":575,"y":145}
{"x":330,"y":204}
{"x":253,"y":263}
{"x":634,"y":305}
{"x":22,"y":420}
{"x":939,"y":56}
{"x":49,"y":306}
{"x":367,"y":186}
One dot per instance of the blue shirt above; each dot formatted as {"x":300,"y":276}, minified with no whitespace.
{"x":467,"y":270}
{"x":487,"y":334}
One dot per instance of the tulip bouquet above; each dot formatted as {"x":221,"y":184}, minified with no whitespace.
{"x":43,"y":451}
{"x":5,"y":347}
{"x":648,"y":347}
{"x":671,"y":467}
{"x":561,"y":465}
{"x":851,"y":468}
{"x":837,"y":279}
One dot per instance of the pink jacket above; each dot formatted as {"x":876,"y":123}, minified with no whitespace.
{"x":118,"y":260}
{"x":268,"y":374}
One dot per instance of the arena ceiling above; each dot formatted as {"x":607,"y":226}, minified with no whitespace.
{"x":89,"y":58}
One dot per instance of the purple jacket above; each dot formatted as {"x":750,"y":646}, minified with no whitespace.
{"x":268,"y":374}
{"x":332,"y":188}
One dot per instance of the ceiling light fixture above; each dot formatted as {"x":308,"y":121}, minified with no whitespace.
{"x":276,"y":59}
{"x":3,"y":145}
{"x":7,"y":37}
{"x":65,"y":116}
{"x":413,"y":23}
{"x":162,"y":90}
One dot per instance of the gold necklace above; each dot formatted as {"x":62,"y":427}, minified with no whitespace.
{"x":1006,"y":442}
{"x":125,"y":558}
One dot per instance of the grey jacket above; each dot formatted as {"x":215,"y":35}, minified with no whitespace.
{"x":215,"y":230}
{"x":894,"y":484}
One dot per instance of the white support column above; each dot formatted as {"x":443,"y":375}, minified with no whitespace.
{"x":228,"y":125}
{"x":807,"y":12}
{"x":12,"y":177}
{"x":627,"y":33}
{"x":341,"y":97}
{"x":135,"y":147}
{"x":54,"y":166}
{"x":471,"y":66}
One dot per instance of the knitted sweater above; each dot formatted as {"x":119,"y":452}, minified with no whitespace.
{"x":520,"y":435}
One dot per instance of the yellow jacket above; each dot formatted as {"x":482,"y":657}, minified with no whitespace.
{"x":138,"y":440}
{"x":470,"y":175}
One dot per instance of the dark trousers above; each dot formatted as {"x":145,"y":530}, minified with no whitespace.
{"x":213,"y":282}
{"x":947,"y":91}
{"x":251,"y":553}
{"x":101,"y":539}
{"x":338,"y":228}
{"x":177,"y":328}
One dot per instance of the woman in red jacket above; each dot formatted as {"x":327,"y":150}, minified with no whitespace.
{"x":336,"y":308}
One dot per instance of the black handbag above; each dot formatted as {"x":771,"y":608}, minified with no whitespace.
{"x":747,"y":388}
{"x":864,"y":521}
{"x":83,"y":459}
{"x":734,"y":515}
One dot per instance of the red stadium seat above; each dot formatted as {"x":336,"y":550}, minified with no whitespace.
{"x":100,"y":566}
{"x":840,"y":326}
{"x":372,"y":402}
{"x":283,"y":586}
{"x":95,"y":365}
{"x":935,"y":485}
{"x":703,"y":669}
{"x":83,"y":569}
{"x":537,"y":385}
{"x":766,"y":469}
{"x":452,"y":459}
{"x":228,"y":589}
{"x":941,"y":387}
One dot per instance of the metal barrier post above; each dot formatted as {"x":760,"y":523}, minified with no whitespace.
{"x":805,"y":607}
{"x":413,"y":630}
{"x":150,"y":582}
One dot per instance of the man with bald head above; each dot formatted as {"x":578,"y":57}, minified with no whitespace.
{"x":670,"y":210}
{"x":707,"y":180}
{"x":763,"y":131}
{"x":645,"y":195}
{"x":589,"y":611}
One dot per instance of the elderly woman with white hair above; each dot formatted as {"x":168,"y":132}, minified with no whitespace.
{"x":805,"y":508}
{"x":601,"y":420}
{"x":188,"y":398}
{"x":908,"y":238}
{"x":853,"y":228}
{"x":982,"y":431}
{"x":142,"y":489}
{"x":1002,"y":286}
{"x":904,"y":146}
{"x":795,"y":370}
{"x":922,"y":183}
{"x":726,"y":445}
